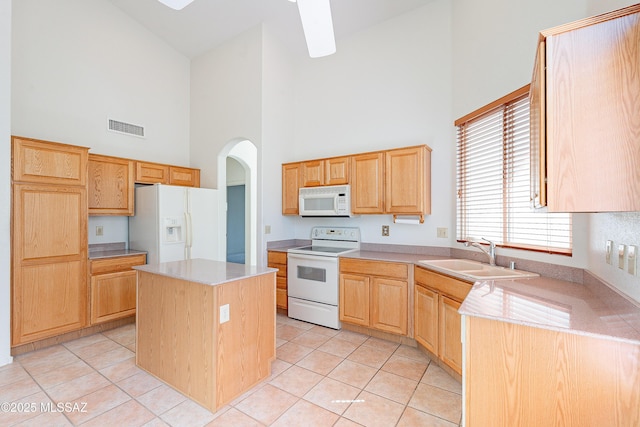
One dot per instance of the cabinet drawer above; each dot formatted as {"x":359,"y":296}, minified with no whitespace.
{"x":123,"y":263}
{"x":281,"y":283}
{"x":187,"y":177}
{"x":454,"y":288}
{"x":281,"y":298}
{"x":152,"y":173}
{"x":376,"y":268}
{"x":274,"y":257}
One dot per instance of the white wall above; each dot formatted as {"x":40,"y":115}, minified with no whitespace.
{"x":115,"y":229}
{"x":278,"y":118}
{"x":388,"y":86}
{"x":5,"y":181}
{"x":225,"y":101}
{"x":78,"y":62}
{"x":621,"y":228}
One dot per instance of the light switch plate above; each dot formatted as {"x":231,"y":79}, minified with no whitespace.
{"x":632,"y":256}
{"x":621,"y":249}
{"x":608,"y":250}
{"x":224,"y":313}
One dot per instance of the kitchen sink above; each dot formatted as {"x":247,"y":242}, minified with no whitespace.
{"x":474,"y":270}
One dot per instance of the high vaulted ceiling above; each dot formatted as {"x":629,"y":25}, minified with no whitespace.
{"x":205,"y":24}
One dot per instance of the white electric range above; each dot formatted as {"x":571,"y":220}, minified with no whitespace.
{"x":313,"y":277}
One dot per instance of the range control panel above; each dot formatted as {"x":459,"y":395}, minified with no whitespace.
{"x":351,"y":234}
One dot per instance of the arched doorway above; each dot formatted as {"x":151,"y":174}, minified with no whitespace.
{"x":238,"y":167}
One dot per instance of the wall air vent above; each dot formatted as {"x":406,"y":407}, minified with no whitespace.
{"x":126,"y":128}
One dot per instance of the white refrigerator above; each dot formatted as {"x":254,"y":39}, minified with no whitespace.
{"x":174,"y":223}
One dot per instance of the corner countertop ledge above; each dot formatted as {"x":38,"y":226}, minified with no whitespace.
{"x":593,"y":310}
{"x":205,"y":271}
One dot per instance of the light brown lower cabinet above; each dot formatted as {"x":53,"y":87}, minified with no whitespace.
{"x":277,"y":259}
{"x":437,"y":322}
{"x":374,"y":294}
{"x":521,"y":375}
{"x":113,"y":287}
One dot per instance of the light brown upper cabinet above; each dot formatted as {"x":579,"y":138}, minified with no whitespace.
{"x":408,"y":181}
{"x":313,"y":173}
{"x":187,"y":177}
{"x":111,"y":186}
{"x":584,"y":115}
{"x":157,"y":173}
{"x":48,"y":162}
{"x":367,"y":183}
{"x":336,"y":171}
{"x":152,"y":173}
{"x":333,"y":171}
{"x":49,"y":239}
{"x":291,"y":180}
{"x":394,"y":181}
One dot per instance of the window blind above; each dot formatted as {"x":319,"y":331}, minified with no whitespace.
{"x":493,"y":181}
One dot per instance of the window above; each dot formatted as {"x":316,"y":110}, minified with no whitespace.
{"x":494,"y":180}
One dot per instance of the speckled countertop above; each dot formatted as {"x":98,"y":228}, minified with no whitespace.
{"x":111,"y":250}
{"x":591,"y":309}
{"x":205,"y":271}
{"x":587,"y":308}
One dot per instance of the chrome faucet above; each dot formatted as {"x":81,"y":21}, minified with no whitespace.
{"x":491,"y":253}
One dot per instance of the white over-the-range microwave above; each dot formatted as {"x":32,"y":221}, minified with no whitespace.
{"x":333,"y":200}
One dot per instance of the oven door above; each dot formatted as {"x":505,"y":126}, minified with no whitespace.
{"x":313,"y":278}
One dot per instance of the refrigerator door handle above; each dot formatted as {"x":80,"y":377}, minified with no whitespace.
{"x":190,"y":232}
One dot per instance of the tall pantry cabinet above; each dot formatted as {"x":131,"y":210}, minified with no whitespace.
{"x":49,"y":239}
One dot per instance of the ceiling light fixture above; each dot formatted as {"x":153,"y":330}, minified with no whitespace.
{"x":176,"y":4}
{"x":318,"y":27}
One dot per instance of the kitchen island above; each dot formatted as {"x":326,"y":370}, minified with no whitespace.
{"x":206,"y":328}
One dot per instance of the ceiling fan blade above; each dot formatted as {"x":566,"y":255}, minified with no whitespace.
{"x":318,"y":27}
{"x":175,"y":4}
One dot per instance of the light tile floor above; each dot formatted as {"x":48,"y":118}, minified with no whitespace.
{"x":321,"y":377}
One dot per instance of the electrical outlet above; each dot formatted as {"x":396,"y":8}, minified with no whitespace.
{"x":99,"y":230}
{"x":224,"y":313}
{"x":632,"y":256}
{"x":608,"y":250}
{"x":385,"y":230}
{"x":442,"y":232}
{"x":621,"y":249}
